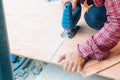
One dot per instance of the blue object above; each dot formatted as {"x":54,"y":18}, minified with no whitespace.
{"x":69,"y":18}
{"x":14,"y":58}
{"x":96,"y":17}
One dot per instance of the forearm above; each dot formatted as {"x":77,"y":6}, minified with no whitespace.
{"x":98,"y":45}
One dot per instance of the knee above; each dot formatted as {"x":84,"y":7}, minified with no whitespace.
{"x":96,"y":17}
{"x":92,"y":21}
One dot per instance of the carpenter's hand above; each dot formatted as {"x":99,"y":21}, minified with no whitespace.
{"x":74,"y":3}
{"x":72,"y":62}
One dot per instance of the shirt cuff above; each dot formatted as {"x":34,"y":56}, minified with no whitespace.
{"x":89,"y":49}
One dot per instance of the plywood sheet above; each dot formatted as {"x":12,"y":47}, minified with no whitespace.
{"x":33,"y":27}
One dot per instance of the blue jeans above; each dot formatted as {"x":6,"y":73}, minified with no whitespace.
{"x":96,"y":17}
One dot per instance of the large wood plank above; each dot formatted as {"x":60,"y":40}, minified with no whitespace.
{"x":34,"y":28}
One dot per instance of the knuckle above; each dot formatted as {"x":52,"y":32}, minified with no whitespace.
{"x":71,"y":62}
{"x":77,"y":63}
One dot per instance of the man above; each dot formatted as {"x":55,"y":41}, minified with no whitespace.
{"x":98,"y":45}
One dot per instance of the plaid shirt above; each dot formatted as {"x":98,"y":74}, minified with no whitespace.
{"x":98,"y":45}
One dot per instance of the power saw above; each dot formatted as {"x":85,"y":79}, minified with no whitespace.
{"x":70,"y":19}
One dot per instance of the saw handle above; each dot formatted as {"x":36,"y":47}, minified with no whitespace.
{"x":69,"y":18}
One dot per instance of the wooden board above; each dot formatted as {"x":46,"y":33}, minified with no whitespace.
{"x":34,"y":28}
{"x":112,"y":72}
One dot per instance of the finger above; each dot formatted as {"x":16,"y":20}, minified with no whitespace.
{"x":70,"y":66}
{"x":65,"y":65}
{"x":62,"y":62}
{"x":74,"y":4}
{"x":64,"y":2}
{"x":77,"y":63}
{"x":78,"y":69}
{"x":61,"y":58}
{"x":74,"y":69}
{"x":82,"y":64}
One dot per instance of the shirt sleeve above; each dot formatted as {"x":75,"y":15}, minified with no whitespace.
{"x":98,"y":45}
{"x":99,"y":2}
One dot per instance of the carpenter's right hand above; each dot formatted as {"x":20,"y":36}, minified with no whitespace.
{"x":74,"y":3}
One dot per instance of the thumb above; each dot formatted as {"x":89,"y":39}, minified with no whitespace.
{"x":74,"y":4}
{"x":80,"y":67}
{"x":62,"y":57}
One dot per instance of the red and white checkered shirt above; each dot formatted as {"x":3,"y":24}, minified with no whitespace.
{"x":98,"y":45}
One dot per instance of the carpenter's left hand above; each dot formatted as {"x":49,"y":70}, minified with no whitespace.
{"x":72,"y":62}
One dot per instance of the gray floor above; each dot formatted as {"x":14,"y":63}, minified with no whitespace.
{"x":37,"y":70}
{"x":54,"y":72}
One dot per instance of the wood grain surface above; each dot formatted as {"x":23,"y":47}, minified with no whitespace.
{"x":34,"y":28}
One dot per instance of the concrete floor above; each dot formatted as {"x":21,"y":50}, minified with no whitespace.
{"x":37,"y":70}
{"x":54,"y":72}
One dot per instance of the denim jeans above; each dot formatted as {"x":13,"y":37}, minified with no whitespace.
{"x":96,"y":17}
